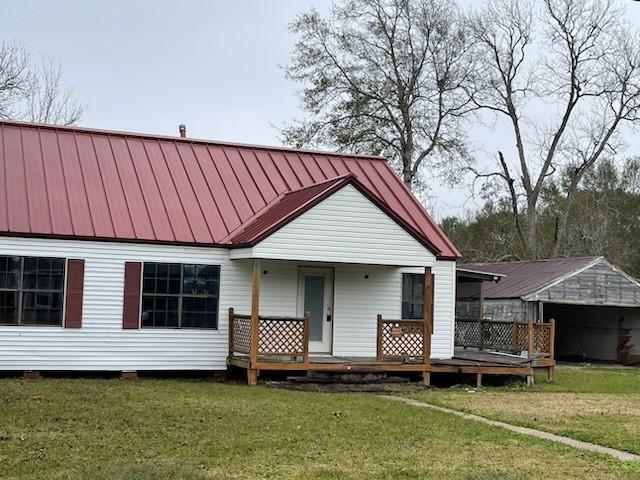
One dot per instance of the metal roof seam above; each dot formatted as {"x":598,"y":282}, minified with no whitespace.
{"x":104,"y":186}
{"x":244,"y":163}
{"x":175,"y":188}
{"x":224,"y":184}
{"x":84,"y":186}
{"x":259,"y":163}
{"x":46,"y":187}
{"x":304,"y":165}
{"x":206,"y":182}
{"x":195,"y":195}
{"x":395,"y":194}
{"x":26,"y":184}
{"x":235,"y":175}
{"x":144,"y":198}
{"x":66,"y":188}
{"x":126,"y":199}
{"x":279,"y":170}
{"x":4,"y":178}
{"x":155,"y":181}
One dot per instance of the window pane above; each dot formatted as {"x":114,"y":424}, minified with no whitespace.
{"x":43,"y":274}
{"x":8,"y":308}
{"x":200,"y":280}
{"x":159,"y":311}
{"x":161,"y":278}
{"x":200,"y":312}
{"x":10,"y":272}
{"x":42,"y":308}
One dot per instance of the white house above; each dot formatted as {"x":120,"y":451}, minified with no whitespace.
{"x":126,"y":252}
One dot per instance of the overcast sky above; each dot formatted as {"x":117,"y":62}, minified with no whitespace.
{"x":213,"y":65}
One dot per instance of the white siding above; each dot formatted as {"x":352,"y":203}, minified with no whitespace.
{"x":357,"y":303}
{"x":358,"y":300}
{"x":346,"y":227}
{"x":101,"y":343}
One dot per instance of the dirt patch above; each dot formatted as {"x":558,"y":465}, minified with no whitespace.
{"x":547,"y":404}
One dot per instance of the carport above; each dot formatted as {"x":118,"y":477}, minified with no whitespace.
{"x":596,"y":305}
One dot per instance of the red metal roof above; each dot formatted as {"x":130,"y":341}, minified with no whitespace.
{"x":525,"y":277}
{"x":78,"y":182}
{"x":283,"y":209}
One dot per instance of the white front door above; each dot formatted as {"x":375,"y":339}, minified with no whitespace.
{"x":315,"y":295}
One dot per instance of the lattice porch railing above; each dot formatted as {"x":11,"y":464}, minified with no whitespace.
{"x":277,"y":336}
{"x":536,"y":339}
{"x":400,"y":339}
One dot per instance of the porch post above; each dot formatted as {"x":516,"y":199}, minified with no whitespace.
{"x":426,"y":325}
{"x":252,"y":374}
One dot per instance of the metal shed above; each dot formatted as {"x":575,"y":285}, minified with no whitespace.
{"x":595,"y":304}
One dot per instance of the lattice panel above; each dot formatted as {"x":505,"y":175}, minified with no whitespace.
{"x":241,"y":335}
{"x":402,"y":339}
{"x":520,"y":337}
{"x":281,"y":337}
{"x":467,"y":333}
{"x":506,"y":337}
{"x":498,"y":336}
{"x":542,"y":339}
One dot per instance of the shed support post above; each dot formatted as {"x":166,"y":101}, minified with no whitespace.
{"x":530,"y":340}
{"x":427,"y":319}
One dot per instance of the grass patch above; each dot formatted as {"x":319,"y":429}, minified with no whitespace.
{"x":599,"y":405}
{"x":193,"y":430}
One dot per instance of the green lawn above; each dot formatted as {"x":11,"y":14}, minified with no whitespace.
{"x":187,"y":429}
{"x":599,"y":405}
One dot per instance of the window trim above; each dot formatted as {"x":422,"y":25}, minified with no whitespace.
{"x":180,"y":296}
{"x":21,"y":291}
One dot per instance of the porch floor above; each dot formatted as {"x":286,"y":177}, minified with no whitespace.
{"x":464,"y":361}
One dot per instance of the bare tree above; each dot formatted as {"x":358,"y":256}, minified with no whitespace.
{"x":15,"y":78}
{"x":384,"y":76}
{"x":48,"y":101}
{"x":34,"y":92}
{"x":579,"y":63}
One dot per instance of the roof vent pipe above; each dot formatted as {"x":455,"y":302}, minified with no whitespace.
{"x":183,"y":130}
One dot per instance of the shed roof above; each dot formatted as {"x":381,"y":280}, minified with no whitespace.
{"x":96,"y":184}
{"x":526,"y":277}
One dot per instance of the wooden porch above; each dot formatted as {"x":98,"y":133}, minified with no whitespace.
{"x":516,"y":344}
{"x":275,"y":343}
{"x":282,"y":344}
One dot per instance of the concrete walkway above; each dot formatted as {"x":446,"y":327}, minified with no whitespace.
{"x":592,"y":447}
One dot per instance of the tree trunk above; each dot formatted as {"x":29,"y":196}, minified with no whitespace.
{"x":407,"y":173}
{"x":530,"y":246}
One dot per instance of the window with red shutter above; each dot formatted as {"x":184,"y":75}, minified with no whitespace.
{"x":75,"y":287}
{"x":132,"y":284}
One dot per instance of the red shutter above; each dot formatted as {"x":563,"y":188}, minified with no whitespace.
{"x":131,"y":309}
{"x":75,"y":285}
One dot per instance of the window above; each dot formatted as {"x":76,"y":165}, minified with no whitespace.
{"x":180,"y":296}
{"x":412,"y":295}
{"x":31,"y":290}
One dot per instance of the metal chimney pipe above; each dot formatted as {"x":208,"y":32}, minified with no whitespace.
{"x":183,"y":130}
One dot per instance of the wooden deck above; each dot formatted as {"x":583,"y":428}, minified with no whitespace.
{"x":465,"y":361}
